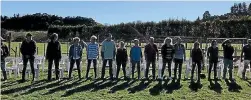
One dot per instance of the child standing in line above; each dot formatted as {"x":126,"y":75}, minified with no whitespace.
{"x":121,"y":59}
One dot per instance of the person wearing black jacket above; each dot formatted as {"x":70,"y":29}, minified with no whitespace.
{"x":4,"y":53}
{"x":167,"y":52}
{"x":121,"y":59}
{"x":228,"y":58}
{"x":53,"y":53}
{"x":28,"y":50}
{"x":197,"y":59}
{"x":212,"y":54}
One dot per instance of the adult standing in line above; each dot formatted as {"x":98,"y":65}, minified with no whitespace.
{"x":151,"y":51}
{"x":179,"y":57}
{"x":213,"y":55}
{"x":108,"y":52}
{"x":246,"y":50}
{"x":228,"y":58}
{"x":4,"y":53}
{"x":28,"y":50}
{"x":135,"y":57}
{"x":53,"y":53}
{"x":167,"y":52}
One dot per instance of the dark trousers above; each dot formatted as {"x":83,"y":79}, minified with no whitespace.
{"x":89,"y":65}
{"x":198,"y":63}
{"x":138,"y":68}
{"x":110,"y":68}
{"x":169,"y":62}
{"x":212,"y":64}
{"x":77,"y":61}
{"x":178,"y":63}
{"x":153,"y":68}
{"x":56,"y":64}
{"x":3,"y":69}
{"x":119,"y":63}
{"x":25,"y":61}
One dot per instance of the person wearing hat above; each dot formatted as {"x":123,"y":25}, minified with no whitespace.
{"x":246,"y":50}
{"x":53,"y":53}
{"x":4,"y":54}
{"x":108,"y":52}
{"x":92,"y":49}
{"x":28,"y":51}
{"x":228,"y":50}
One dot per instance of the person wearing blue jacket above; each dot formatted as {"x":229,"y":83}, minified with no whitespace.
{"x":136,"y":57}
{"x":75,"y":56}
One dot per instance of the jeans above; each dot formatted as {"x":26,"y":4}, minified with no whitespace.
{"x":169,"y":63}
{"x":56,"y":63}
{"x":133,"y":68}
{"x":110,"y":68}
{"x":228,"y":64}
{"x":3,"y":69}
{"x":178,"y":62}
{"x":73,"y":61}
{"x":153,"y":68}
{"x":25,"y":61}
{"x":214,"y":65}
{"x":198,"y":63}
{"x":89,"y":65}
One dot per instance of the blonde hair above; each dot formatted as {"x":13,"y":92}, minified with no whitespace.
{"x":93,"y":36}
{"x":168,"y":38}
{"x":76,"y":39}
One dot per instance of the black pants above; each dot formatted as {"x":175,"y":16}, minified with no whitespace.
{"x":153,"y":68}
{"x":169,"y":62}
{"x":133,"y":68}
{"x":212,"y":64}
{"x":89,"y":65}
{"x":110,"y":68}
{"x":25,"y":61}
{"x":119,"y":63}
{"x":77,"y":61}
{"x":198,"y":63}
{"x":56,"y":63}
{"x":3,"y":69}
{"x":178,"y":62}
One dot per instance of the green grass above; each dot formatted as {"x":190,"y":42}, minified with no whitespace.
{"x":121,"y":89}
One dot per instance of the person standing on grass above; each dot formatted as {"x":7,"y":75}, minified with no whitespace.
{"x":246,"y":50}
{"x":28,"y":50}
{"x":213,"y":55}
{"x":92,"y":54}
{"x":136,"y":56}
{"x":53,"y":53}
{"x":108,"y":52}
{"x":151,"y":51}
{"x":4,"y":53}
{"x":197,"y":59}
{"x":75,"y":56}
{"x":167,"y":52}
{"x":121,"y":59}
{"x":228,"y":58}
{"x":179,"y":57}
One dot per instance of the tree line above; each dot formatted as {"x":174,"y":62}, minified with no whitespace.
{"x":235,"y":24}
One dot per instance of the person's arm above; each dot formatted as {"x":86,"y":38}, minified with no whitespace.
{"x":145,"y":52}
{"x":141,"y":55}
{"x":114,"y":51}
{"x":208,"y":51}
{"x":102,"y":50}
{"x":22,"y":48}
{"x":242,"y":54}
{"x":126,"y":55}
{"x":184,"y":51}
{"x":130,"y":54}
{"x":156,"y":48}
{"x":97,"y":50}
{"x":34,"y":48}
{"x":60,"y":54}
{"x":163,"y":54}
{"x":47,"y":51}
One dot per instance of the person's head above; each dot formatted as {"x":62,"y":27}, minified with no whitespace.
{"x":168,"y":40}
{"x":249,"y":41}
{"x":228,"y":42}
{"x":151,"y":40}
{"x":136,"y":42}
{"x":178,"y":40}
{"x":76,"y":40}
{"x":93,"y":38}
{"x":121,"y":44}
{"x":196,"y":45}
{"x":54,"y":37}
{"x":214,"y":43}
{"x":28,"y":37}
{"x":109,"y":37}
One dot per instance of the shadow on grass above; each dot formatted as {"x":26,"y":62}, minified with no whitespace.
{"x":122,"y":86}
{"x":142,"y":85}
{"x":156,"y":89}
{"x":171,"y":86}
{"x":18,"y":89}
{"x":249,"y":83}
{"x":64,"y":87}
{"x":215,"y":86}
{"x":195,"y":86}
{"x":233,"y":86}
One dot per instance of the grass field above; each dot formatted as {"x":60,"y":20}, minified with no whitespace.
{"x":121,"y":89}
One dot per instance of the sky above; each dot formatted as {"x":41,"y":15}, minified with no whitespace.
{"x":114,"y":12}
